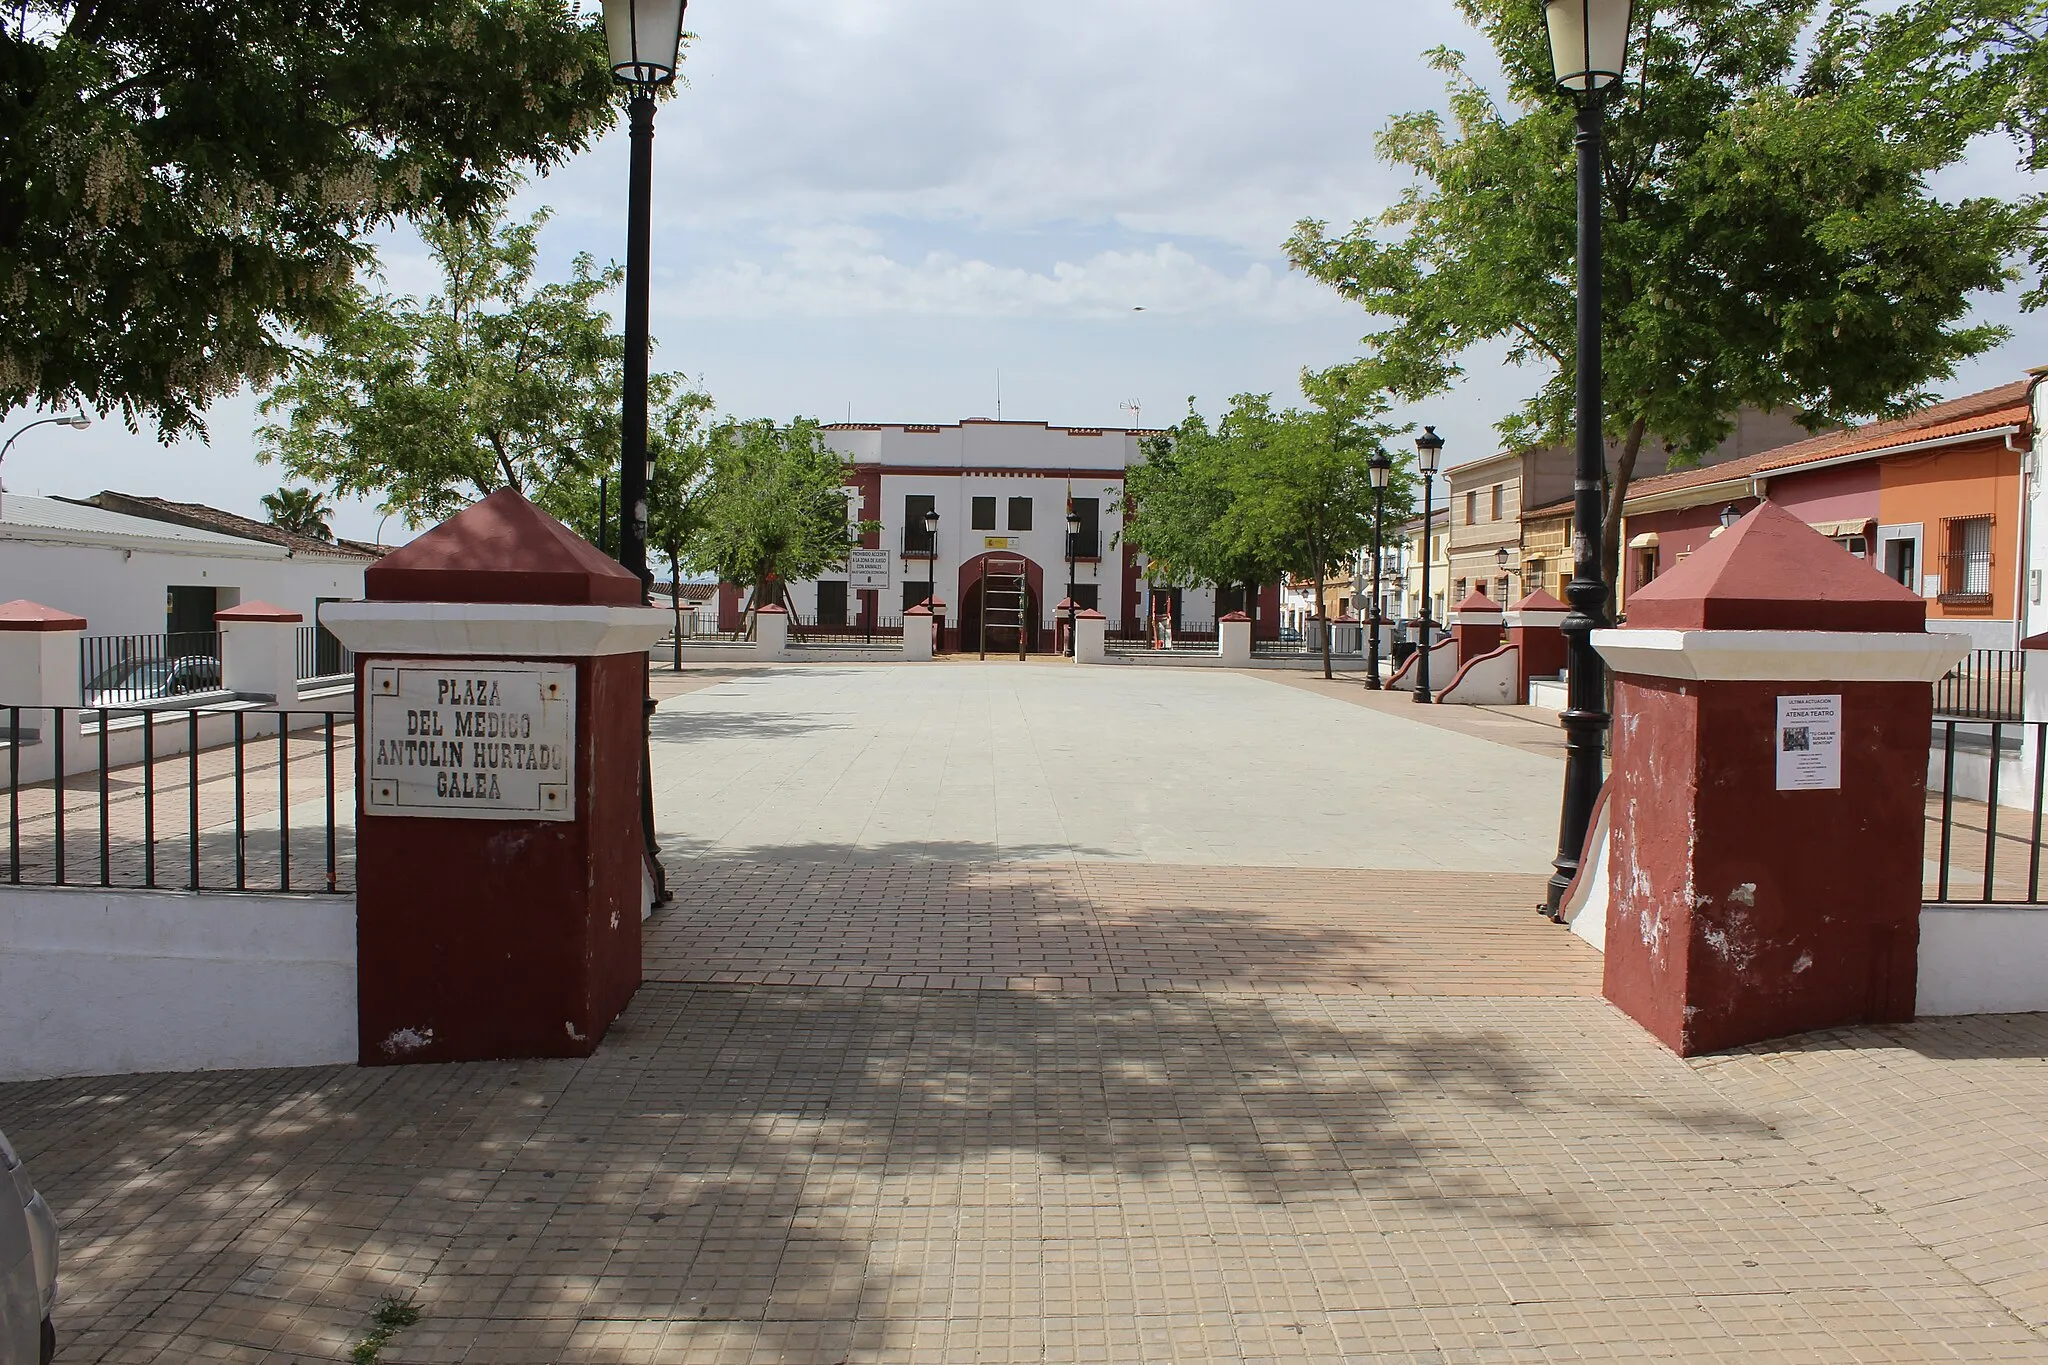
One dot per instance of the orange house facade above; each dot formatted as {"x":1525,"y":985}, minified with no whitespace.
{"x":1937,"y":501}
{"x":1952,"y":515}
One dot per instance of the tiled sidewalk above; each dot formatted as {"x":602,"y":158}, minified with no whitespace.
{"x":1021,"y":1078}
{"x":1098,"y":926}
{"x":764,"y":1175}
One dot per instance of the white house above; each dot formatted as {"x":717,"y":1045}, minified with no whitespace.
{"x":137,"y":575}
{"x":1001,"y":493}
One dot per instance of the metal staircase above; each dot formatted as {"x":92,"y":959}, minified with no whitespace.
{"x":1004,"y":600}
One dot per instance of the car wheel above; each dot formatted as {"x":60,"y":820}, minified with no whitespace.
{"x":49,"y":1351}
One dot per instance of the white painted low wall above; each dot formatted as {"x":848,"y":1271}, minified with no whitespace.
{"x":1488,"y":680}
{"x":1982,"y":959}
{"x":96,"y":983}
{"x":1443,"y":666}
{"x":1550,"y":694}
{"x":1973,"y":763}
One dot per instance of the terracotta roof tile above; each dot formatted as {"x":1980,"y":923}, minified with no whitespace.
{"x":203,"y":518}
{"x":1985,"y":411}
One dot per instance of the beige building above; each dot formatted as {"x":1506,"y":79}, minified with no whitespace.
{"x":1404,"y":567}
{"x":1520,"y":501}
{"x":1485,"y":497}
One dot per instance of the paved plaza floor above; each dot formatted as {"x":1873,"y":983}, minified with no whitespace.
{"x":971,"y":762}
{"x":1023,"y":1014}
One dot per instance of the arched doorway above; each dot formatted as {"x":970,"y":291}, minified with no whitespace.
{"x":1002,"y":640}
{"x":970,"y":595}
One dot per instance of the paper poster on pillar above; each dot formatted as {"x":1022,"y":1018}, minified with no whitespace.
{"x":1809,"y":743}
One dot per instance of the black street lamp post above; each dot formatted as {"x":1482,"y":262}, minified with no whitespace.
{"x":1073,"y":609}
{"x":645,"y":39}
{"x":1588,"y":49}
{"x":1381,"y":467}
{"x":1429,"y":449}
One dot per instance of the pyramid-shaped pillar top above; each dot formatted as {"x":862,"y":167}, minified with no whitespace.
{"x":502,"y":549}
{"x":1771,"y":571}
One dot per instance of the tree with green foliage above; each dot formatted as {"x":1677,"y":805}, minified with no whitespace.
{"x":772,"y":509}
{"x":1962,"y":68}
{"x":1302,"y":489}
{"x":302,"y":511}
{"x":1265,"y":493}
{"x":1771,"y":238}
{"x":494,"y":382}
{"x":678,"y":443}
{"x":1174,"y":500}
{"x":185,"y":184}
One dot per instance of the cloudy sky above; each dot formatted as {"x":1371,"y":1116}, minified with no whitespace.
{"x":877,"y":207}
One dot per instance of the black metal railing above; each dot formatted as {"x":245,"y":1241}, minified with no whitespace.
{"x":701,"y":624}
{"x":317,"y":654}
{"x":853,"y":627}
{"x":919,"y":543}
{"x":190,"y":799}
{"x":114,"y":670}
{"x":1984,"y":808}
{"x":1966,"y":576}
{"x":1988,"y":684}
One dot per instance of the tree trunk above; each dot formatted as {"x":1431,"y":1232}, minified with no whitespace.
{"x":1617,"y":494}
{"x":1323,"y":616}
{"x":675,"y":601}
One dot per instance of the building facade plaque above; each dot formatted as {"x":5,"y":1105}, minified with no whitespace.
{"x":486,"y":739}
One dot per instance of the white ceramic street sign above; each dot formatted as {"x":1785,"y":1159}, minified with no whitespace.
{"x":471,"y":739}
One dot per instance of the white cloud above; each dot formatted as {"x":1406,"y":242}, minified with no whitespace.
{"x":845,"y":272}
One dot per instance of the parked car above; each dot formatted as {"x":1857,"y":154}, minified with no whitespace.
{"x":28,"y":1267}
{"x":141,"y":680}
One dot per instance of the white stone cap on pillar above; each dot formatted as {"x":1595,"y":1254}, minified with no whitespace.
{"x":1550,"y":619}
{"x":1782,"y":655}
{"x":509,"y":630}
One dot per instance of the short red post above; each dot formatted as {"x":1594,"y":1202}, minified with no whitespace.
{"x":1768,"y":799}
{"x":500,"y":674}
{"x":1534,"y":629}
{"x":1476,"y":626}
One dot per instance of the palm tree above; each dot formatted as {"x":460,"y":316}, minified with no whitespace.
{"x":303,"y":511}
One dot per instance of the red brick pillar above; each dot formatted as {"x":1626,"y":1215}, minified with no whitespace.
{"x":500,"y":672}
{"x":1768,"y":798}
{"x":1476,"y":626}
{"x":1533,"y":628}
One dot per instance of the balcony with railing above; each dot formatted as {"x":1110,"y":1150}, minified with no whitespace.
{"x":919,"y":543}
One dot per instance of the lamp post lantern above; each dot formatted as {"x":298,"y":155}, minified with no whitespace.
{"x":644,"y":39}
{"x":1429,"y":449}
{"x":1730,"y":515}
{"x":1588,"y":51}
{"x":1381,"y":468}
{"x":1073,"y":546}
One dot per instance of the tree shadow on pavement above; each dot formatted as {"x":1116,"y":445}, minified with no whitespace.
{"x":799,"y":1175}
{"x":691,"y":727}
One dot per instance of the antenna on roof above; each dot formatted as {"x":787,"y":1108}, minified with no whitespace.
{"x":1132,"y":408}
{"x":999,"y":395}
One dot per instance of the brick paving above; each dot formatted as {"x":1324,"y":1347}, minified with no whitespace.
{"x":1110,"y":927}
{"x":1078,"y":1109}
